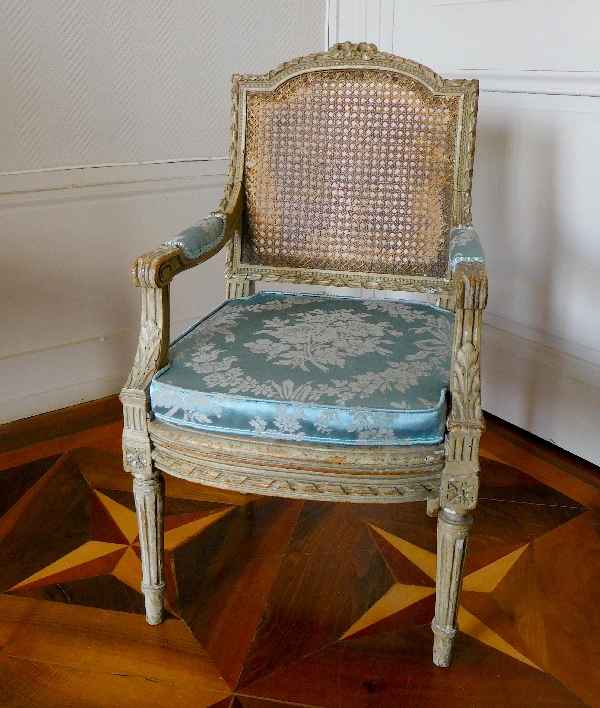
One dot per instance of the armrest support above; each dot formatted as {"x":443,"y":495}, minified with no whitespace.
{"x":471,"y":299}
{"x":460,"y":485}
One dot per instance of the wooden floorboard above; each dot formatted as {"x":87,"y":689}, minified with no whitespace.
{"x":104,"y":641}
{"x":276,"y":602}
{"x":25,"y":683}
{"x":105,"y":437}
{"x":561,"y":459}
{"x":583,"y":491}
{"x":58,"y":424}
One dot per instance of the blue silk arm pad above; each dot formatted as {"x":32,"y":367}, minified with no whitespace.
{"x":200,"y":239}
{"x":465,"y":247}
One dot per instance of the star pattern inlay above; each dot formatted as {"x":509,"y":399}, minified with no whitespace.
{"x":402,"y":595}
{"x":272,"y":593}
{"x":113,"y":548}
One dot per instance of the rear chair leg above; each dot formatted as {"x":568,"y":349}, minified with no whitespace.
{"x":433,"y":506}
{"x":453,"y":535}
{"x":149,"y":502}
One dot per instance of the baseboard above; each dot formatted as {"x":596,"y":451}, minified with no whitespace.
{"x":56,"y":399}
{"x":28,"y":390}
{"x":550,"y":393}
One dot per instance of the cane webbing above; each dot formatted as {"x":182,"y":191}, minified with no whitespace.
{"x":349,"y":170}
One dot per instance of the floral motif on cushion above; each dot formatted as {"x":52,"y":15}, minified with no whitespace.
{"x":314,"y":369}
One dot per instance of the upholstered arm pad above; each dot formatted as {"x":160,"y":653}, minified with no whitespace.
{"x":465,"y":247}
{"x":157,"y":268}
{"x":200,"y":239}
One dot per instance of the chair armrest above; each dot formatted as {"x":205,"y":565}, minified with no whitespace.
{"x":158,"y":267}
{"x":153,"y":272}
{"x":465,"y":247}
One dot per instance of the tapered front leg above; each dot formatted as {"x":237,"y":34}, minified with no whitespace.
{"x":453,"y":535}
{"x":152,"y":272}
{"x":149,"y":503}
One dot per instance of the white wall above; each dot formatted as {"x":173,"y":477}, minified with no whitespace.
{"x":535,"y":194}
{"x":143,"y":88}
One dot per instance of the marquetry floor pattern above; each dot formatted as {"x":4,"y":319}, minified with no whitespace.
{"x":275,"y":602}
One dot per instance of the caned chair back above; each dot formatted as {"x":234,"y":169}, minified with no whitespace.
{"x":350,"y":162}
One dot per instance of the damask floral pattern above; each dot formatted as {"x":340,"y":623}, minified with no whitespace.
{"x":301,"y":367}
{"x":321,"y":338}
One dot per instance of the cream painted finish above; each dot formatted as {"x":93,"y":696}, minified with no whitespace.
{"x":535,"y":195}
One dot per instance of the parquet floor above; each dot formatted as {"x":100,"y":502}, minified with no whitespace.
{"x":275,"y":602}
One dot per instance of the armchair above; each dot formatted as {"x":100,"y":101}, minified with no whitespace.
{"x":348,"y":168}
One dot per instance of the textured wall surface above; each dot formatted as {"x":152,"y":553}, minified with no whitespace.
{"x":111,"y":81}
{"x":103,"y":82}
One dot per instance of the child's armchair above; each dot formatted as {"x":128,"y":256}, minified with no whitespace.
{"x":349,"y":168}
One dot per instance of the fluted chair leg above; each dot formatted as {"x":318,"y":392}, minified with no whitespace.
{"x":453,"y":535}
{"x":149,"y":503}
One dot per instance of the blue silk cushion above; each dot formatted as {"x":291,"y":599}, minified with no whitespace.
{"x":309,"y":368}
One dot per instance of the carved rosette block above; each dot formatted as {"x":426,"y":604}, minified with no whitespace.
{"x":459,"y":493}
{"x":453,"y":534}
{"x":137,"y":448}
{"x":137,"y":461}
{"x":149,"y":502}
